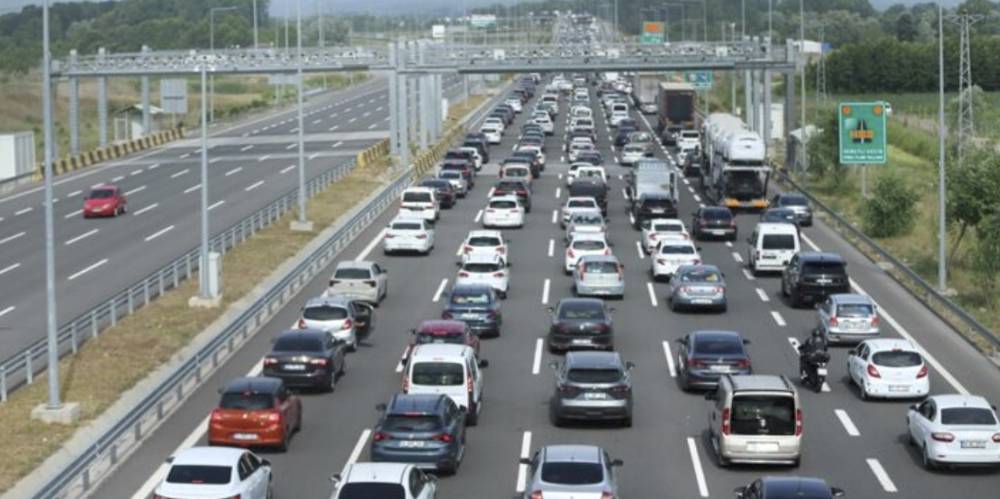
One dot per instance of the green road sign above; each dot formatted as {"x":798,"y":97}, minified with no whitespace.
{"x":701,"y":80}
{"x":862,"y":133}
{"x":652,"y":33}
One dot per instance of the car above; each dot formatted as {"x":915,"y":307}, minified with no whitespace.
{"x":465,"y":154}
{"x":812,"y":276}
{"x":593,"y":188}
{"x":396,"y":480}
{"x":617,"y":116}
{"x":362,"y":278}
{"x":514,"y":103}
{"x":847,"y":318}
{"x":529,"y":154}
{"x":670,"y":255}
{"x":443,"y":331}
{"x":545,"y":121}
{"x":512,"y":186}
{"x":571,"y":471}
{"x":785,"y":487}
{"x":592,"y":386}
{"x":771,"y":246}
{"x":586,"y":222}
{"x":591,"y":172}
{"x":408,"y":235}
{"x":476,"y":305}
{"x":888,"y":368}
{"x":759,"y":409}
{"x":458,"y":182}
{"x":464,"y":167}
{"x":216,"y":472}
{"x":476,"y":157}
{"x":452,"y":370}
{"x":779,"y":215}
{"x":954,"y":430}
{"x":495,"y":120}
{"x":426,"y":430}
{"x":575,"y":148}
{"x":503,"y":211}
{"x":632,"y":153}
{"x":655,"y":230}
{"x":490,"y":270}
{"x":478,"y":142}
{"x":654,"y":204}
{"x":703,"y":357}
{"x":593,"y":157}
{"x":697,"y":286}
{"x":104,"y":200}
{"x":309,"y":358}
{"x":517,"y":170}
{"x":493,"y":133}
{"x":346,"y":319}
{"x":577,"y":205}
{"x":255,"y":411}
{"x":443,"y":189}
{"x":622,"y":135}
{"x":599,"y":275}
{"x":419,"y":202}
{"x":580,"y":323}
{"x":583,"y":244}
{"x":713,"y":221}
{"x":796,"y":202}
{"x":485,"y":243}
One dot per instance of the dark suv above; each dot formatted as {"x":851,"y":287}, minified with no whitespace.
{"x":476,"y":305}
{"x":781,"y":487}
{"x":427,"y":430}
{"x":653,"y":205}
{"x":813,"y":276}
{"x":592,"y":386}
{"x":713,"y":221}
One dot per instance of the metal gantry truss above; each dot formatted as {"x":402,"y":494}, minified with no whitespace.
{"x":966,"y":122}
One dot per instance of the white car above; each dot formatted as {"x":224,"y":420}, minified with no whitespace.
{"x":632,"y":154}
{"x":581,"y":112}
{"x":216,"y":472}
{"x":488,"y":270}
{"x":514,"y":104}
{"x":888,"y":368}
{"x":617,"y":117}
{"x":475,"y":155}
{"x":419,"y":202}
{"x":954,"y":430}
{"x":344,"y":318}
{"x":364,"y":279}
{"x":495,"y":122}
{"x":576,"y":148}
{"x":577,"y":204}
{"x":493,"y":133}
{"x":671,"y":255}
{"x":591,"y":171}
{"x":586,"y":222}
{"x":488,"y":243}
{"x":582,"y":245}
{"x":408,"y":234}
{"x":398,"y":480}
{"x":503,"y":211}
{"x":543,"y":120}
{"x":535,"y":148}
{"x":659,"y":229}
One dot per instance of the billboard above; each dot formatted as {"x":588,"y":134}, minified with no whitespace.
{"x":652,"y":32}
{"x":483,"y":20}
{"x":862,"y":133}
{"x":438,"y":32}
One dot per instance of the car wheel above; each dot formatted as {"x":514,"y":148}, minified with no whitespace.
{"x":283,"y":446}
{"x":723,"y":308}
{"x":863,"y":391}
{"x":555,"y":419}
{"x":719,"y":458}
{"x":627,"y":422}
{"x":796,"y":299}
{"x":270,"y":491}
{"x":472,"y":418}
{"x":343,"y":366}
{"x":784,"y":290}
{"x":926,"y":460}
{"x":331,"y":384}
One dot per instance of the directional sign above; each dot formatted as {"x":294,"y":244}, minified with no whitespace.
{"x":862,"y":133}
{"x":652,"y":33}
{"x":701,"y":80}
{"x":173,"y":96}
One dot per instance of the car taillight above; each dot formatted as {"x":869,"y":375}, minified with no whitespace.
{"x":444,"y":437}
{"x":216,"y":416}
{"x":348,"y":324}
{"x":945,"y":437}
{"x":406,"y":384}
{"x":725,"y":422}
{"x":319,"y":362}
{"x":732,"y":223}
{"x":274,"y":416}
{"x":798,"y":422}
{"x":874,"y":320}
{"x":607,"y":251}
{"x":467,"y":249}
{"x":370,"y":283}
{"x":757,"y":255}
{"x":270,"y":362}
{"x":697,"y":261}
{"x":501,"y":250}
{"x":743,"y":363}
{"x":389,"y":236}
{"x":619,"y":389}
{"x":696,"y":363}
{"x":922,"y":372}
{"x":463,"y":274}
{"x":570,"y":253}
{"x":569,"y":390}
{"x":996,"y":438}
{"x":490,"y":210}
{"x":873,"y":371}
{"x":834,"y":322}
{"x":302,"y":324}
{"x":379,"y":436}
{"x":607,"y":495}
{"x":652,"y":237}
{"x":446,"y":315}
{"x":498,"y":274}
{"x":537,"y":494}
{"x":621,"y":272}
{"x":719,"y":289}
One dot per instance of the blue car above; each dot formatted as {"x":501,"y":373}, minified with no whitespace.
{"x":426,"y":430}
{"x":476,"y":305}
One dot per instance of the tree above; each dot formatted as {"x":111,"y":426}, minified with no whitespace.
{"x":971,"y":191}
{"x":889,"y":212}
{"x":987,"y":255}
{"x":906,"y":28}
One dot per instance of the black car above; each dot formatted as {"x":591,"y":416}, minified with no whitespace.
{"x":443,"y":189}
{"x":476,"y":305}
{"x":623,"y":134}
{"x":306,"y":358}
{"x":706,"y":355}
{"x":779,"y":216}
{"x":653,"y":205}
{"x":581,"y":323}
{"x":813,"y":276}
{"x":514,"y":187}
{"x":426,"y":429}
{"x":591,"y":187}
{"x":785,"y":487}
{"x":592,"y":157}
{"x":629,"y":122}
{"x":713,"y":221}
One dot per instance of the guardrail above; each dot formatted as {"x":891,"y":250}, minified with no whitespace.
{"x":21,"y":367}
{"x":114,"y":151}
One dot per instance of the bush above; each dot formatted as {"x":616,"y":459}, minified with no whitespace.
{"x":890,"y":211}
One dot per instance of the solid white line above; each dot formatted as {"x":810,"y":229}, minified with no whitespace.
{"x":536,"y":363}
{"x":192,"y":189}
{"x":479,"y":215}
{"x":748,"y":275}
{"x":144,"y":210}
{"x":552,"y":247}
{"x":371,"y":245}
{"x":216,"y":205}
{"x":73,"y":214}
{"x":358,"y":447}
{"x":23,"y":211}
{"x":137,"y":189}
{"x":638,"y":249}
{"x":699,"y":474}
{"x":136,"y":172}
{"x":522,"y":469}
{"x":737,"y":257}
{"x":11,"y":309}
{"x":254,"y":185}
{"x":545,"y":292}
{"x":555,"y":214}
{"x":287,"y":169}
{"x":178,"y":174}
{"x":264,"y":158}
{"x":159,"y":233}
{"x":234,"y":171}
{"x":399,"y":365}
{"x":778,"y":318}
{"x":9,"y":268}
{"x":440,"y":290}
{"x":120,"y":177}
{"x":246,"y":148}
{"x":88,"y":269}
{"x":652,"y":294}
{"x":763,"y":295}
{"x":81,"y":237}
{"x":846,"y":421}
{"x":670,"y":359}
{"x":558,"y":192}
{"x":881,"y":475}
{"x":11,"y":238}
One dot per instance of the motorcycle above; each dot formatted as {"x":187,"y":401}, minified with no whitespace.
{"x":816,"y":371}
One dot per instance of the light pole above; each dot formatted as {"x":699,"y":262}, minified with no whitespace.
{"x":255,"y":38}
{"x":743,"y":19}
{"x":302,"y":224}
{"x":802,"y":87}
{"x":942,"y":267}
{"x":54,"y":402}
{"x":211,"y":46}
{"x":203,"y":290}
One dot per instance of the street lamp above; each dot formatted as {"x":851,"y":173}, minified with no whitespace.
{"x":54,"y":402}
{"x":802,"y":49}
{"x":302,"y":224}
{"x":211,"y":46}
{"x":942,"y":264}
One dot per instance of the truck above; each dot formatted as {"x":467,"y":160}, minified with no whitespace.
{"x":652,"y":190}
{"x":645,"y":88}
{"x":677,"y":110}
{"x":736,"y":172}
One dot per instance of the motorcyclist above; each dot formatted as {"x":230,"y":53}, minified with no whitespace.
{"x":807,"y":350}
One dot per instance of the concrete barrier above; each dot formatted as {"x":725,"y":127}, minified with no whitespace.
{"x":101,"y":154}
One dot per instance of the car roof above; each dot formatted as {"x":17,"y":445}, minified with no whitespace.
{"x":665,"y":221}
{"x":484,"y":258}
{"x":887,"y":344}
{"x":850,"y":298}
{"x":819,"y":256}
{"x":376,"y":472}
{"x":782,"y":228}
{"x":484,"y":233}
{"x":303,"y":333}
{"x":793,"y":486}
{"x":502,"y":198}
{"x":208,"y":455}
{"x":354,"y":264}
{"x":577,"y":453}
{"x":442,"y":325}
{"x":470,"y":287}
{"x":760,"y":382}
{"x":444,"y":351}
{"x":716,"y":335}
{"x":698,"y":268}
{"x":408,"y":404}
{"x":593,"y":360}
{"x":957,"y":400}
{"x":330,"y":300}
{"x":100,"y":187}
{"x":253,"y":384}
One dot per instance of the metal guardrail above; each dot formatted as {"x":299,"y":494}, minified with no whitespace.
{"x":21,"y":367}
{"x":946,"y":309}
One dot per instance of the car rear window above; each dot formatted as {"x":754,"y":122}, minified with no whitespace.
{"x":763,"y":415}
{"x":407,"y":226}
{"x":470,"y":298}
{"x":101,"y":194}
{"x":710,"y":276}
{"x":352,"y":274}
{"x":246,"y":401}
{"x":416,"y":197}
{"x":854,"y":310}
{"x":716,"y":214}
{"x":594,"y":375}
{"x":897,"y":359}
{"x":572,"y":473}
{"x":298,"y":343}
{"x":516,"y":171}
{"x":487,"y":241}
{"x":504,"y":204}
{"x":634,"y":148}
{"x":440,"y":338}
{"x":794,"y":201}
{"x":582,"y":203}
{"x":590,"y":311}
{"x":968,"y":416}
{"x":601,"y":268}
{"x":457,"y":155}
{"x":199,"y":475}
{"x":450,"y":174}
{"x":325,"y":313}
{"x":823,"y":268}
{"x":438,"y":374}
{"x":411,"y":423}
{"x":671,"y":249}
{"x":588,"y":245}
{"x":668,"y":227}
{"x":717,"y":346}
{"x":778,"y":242}
{"x":481,"y":268}
{"x":657,"y":203}
{"x":372,"y":490}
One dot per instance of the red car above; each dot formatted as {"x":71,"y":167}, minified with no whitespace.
{"x":444,"y":331}
{"x":104,"y":201}
{"x":255,"y":411}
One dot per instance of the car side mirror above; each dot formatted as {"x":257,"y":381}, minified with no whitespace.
{"x":698,"y":248}
{"x":746,"y":341}
{"x":265,"y":462}
{"x":852,"y":352}
{"x":739,"y":492}
{"x":913,"y":407}
{"x":381,"y":407}
{"x":458,"y":264}
{"x":837,"y":492}
{"x":525,"y":460}
{"x":507,"y":264}
{"x":630,"y":365}
{"x":335,"y":478}
{"x":550,"y":310}
{"x":483,"y":363}
{"x":169,"y":460}
{"x":617,"y":463}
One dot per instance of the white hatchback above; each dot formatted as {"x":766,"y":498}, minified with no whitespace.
{"x":419,"y":202}
{"x":503,"y":211}
{"x":955,"y":430}
{"x":577,"y":204}
{"x":582,"y":245}
{"x":216,"y":472}
{"x":888,"y":368}
{"x":659,"y":229}
{"x":400,"y":480}
{"x":408,"y":234}
{"x":488,"y":243}
{"x":672,"y":254}
{"x":493,"y":133}
{"x":586,"y":222}
{"x":487,"y":270}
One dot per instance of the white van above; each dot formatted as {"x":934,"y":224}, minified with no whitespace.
{"x":448,"y":369}
{"x":772,"y":246}
{"x":419,"y":202}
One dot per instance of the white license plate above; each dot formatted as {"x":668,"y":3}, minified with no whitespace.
{"x":821,"y":371}
{"x":719,"y":368}
{"x":411,"y":444}
{"x":701,"y":301}
{"x":581,"y":341}
{"x":244,"y":436}
{"x":595,"y":396}
{"x":762,"y":447}
{"x":295,"y":367}
{"x":823,"y":281}
{"x":899,"y":388}
{"x":468,"y":316}
{"x":717,"y":232}
{"x":973,"y":444}
{"x":658,"y":210}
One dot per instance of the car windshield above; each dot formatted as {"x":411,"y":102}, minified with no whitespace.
{"x":601,"y":268}
{"x":457,"y":155}
{"x":503,"y":204}
{"x":588,"y":245}
{"x":594,"y":375}
{"x":350,"y":273}
{"x":634,"y":148}
{"x":668,"y":227}
{"x":450,"y":174}
{"x":763,"y":415}
{"x":778,"y":242}
{"x":716,"y":215}
{"x":407,"y":226}
{"x":246,"y":401}
{"x":582,"y":203}
{"x":968,"y":416}
{"x":516,"y":171}
{"x":823,"y":268}
{"x":671,"y":249}
{"x":372,"y":490}
{"x":572,"y":473}
{"x":481,"y":268}
{"x":854,"y":310}
{"x":298,"y":343}
{"x":199,"y":475}
{"x":488,"y":241}
{"x":898,"y":358}
{"x":794,"y":201}
{"x":709,"y":276}
{"x":470,"y":298}
{"x":101,"y":194}
{"x":438,"y":374}
{"x":717,"y":346}
{"x":325,"y":313}
{"x":417,"y":197}
{"x":411,"y":423}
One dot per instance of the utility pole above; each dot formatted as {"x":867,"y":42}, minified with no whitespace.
{"x":821,"y":70}
{"x":302,"y":224}
{"x":802,"y":81}
{"x":966,"y":124}
{"x":942,"y":230}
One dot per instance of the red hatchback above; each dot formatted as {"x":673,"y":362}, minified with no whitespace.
{"x":444,"y":331}
{"x":255,"y":411}
{"x":104,"y":201}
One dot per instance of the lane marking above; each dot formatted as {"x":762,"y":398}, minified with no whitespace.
{"x":652,"y":294}
{"x":137,"y":189}
{"x":440,"y":290}
{"x":748,"y":275}
{"x":88,"y":269}
{"x":185,"y":155}
{"x":159,"y":233}
{"x":116,"y":179}
{"x":214,"y":160}
{"x":144,"y":210}
{"x":552,"y":247}
{"x":9,"y":268}
{"x":192,"y":189}
{"x":479,"y":215}
{"x":254,"y":185}
{"x":763,"y":295}
{"x":178,"y":174}
{"x":246,"y":148}
{"x":11,"y":238}
{"x":737,"y":257}
{"x":287,"y":169}
{"x":522,"y":469}
{"x":316,"y":122}
{"x":846,"y":421}
{"x":536,"y":363}
{"x":399,"y":365}
{"x":631,"y":218}
{"x":545,"y":292}
{"x":216,"y":205}
{"x":699,"y":474}
{"x":150,"y":167}
{"x":358,"y":447}
{"x":371,"y":245}
{"x":6,"y":311}
{"x":77,"y":193}
{"x":372,"y":126}
{"x":778,"y":318}
{"x":670,"y":359}
{"x":81,"y":237}
{"x":638,"y":249}
{"x":881,"y":475}
{"x":333,"y":128}
{"x":555,"y":214}
{"x":234,"y":171}
{"x":23,"y":211}
{"x":558,"y":192}
{"x":291,"y":146}
{"x":264,"y":158}
{"x":135,"y":172}
{"x":313,"y":156}
{"x":73,"y":214}
{"x":729,"y":244}
{"x":337,"y":144}
{"x":697,"y":198}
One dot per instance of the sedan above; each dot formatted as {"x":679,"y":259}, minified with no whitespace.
{"x":571,"y":471}
{"x":409,"y":235}
{"x":713,"y":221}
{"x":443,"y":191}
{"x":784,"y":487}
{"x":705,"y":356}
{"x":575,"y":205}
{"x":888,"y":368}
{"x":476,"y":305}
{"x":592,"y":386}
{"x":779,"y":215}
{"x":216,"y":472}
{"x":443,"y":331}
{"x":424,"y":429}
{"x":485,"y":243}
{"x":581,"y":323}
{"x":658,"y":229}
{"x":581,"y":245}
{"x":672,"y":254}
{"x":306,"y":357}
{"x":955,"y":430}
{"x":104,"y":200}
{"x":345,"y":319}
{"x":698,"y":286}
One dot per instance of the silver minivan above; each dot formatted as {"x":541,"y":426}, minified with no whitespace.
{"x":755,"y":419}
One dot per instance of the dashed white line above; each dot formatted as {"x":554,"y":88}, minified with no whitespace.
{"x":137,"y":189}
{"x":479,"y":216}
{"x":652,"y":294}
{"x":11,"y":238}
{"x":254,"y":186}
{"x":881,"y":475}
{"x":440,"y":290}
{"x":337,"y":144}
{"x":159,"y":233}
{"x":545,"y":291}
{"x":116,"y":179}
{"x":352,"y":120}
{"x":748,"y":275}
{"x":73,"y":214}
{"x":631,"y":218}
{"x":846,"y":421}
{"x":150,"y":167}
{"x":144,"y":210}
{"x":9,"y":268}
{"x":264,"y":158}
{"x":737,"y":257}
{"x":178,"y":174}
{"x":135,"y":172}
{"x":291,"y":146}
{"x":778,"y":318}
{"x":77,"y":193}
{"x":287,"y":169}
{"x":313,"y":156}
{"x":763,"y":295}
{"x":88,"y":269}
{"x":316,"y":122}
{"x":552,"y":247}
{"x":6,"y":311}
{"x":402,"y":358}
{"x":23,"y":211}
{"x":638,"y":249}
{"x":185,"y":155}
{"x":372,"y":126}
{"x":536,"y":363}
{"x":729,"y":244}
{"x":191,"y":189}
{"x":333,"y":128}
{"x":697,"y":198}
{"x":522,"y":469}
{"x":555,"y":215}
{"x":246,"y":148}
{"x":234,"y":171}
{"x":216,"y":205}
{"x":699,"y":474}
{"x":558,"y":192}
{"x":371,"y":245}
{"x":81,"y":237}
{"x":670,"y":359}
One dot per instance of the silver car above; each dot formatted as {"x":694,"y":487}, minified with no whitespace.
{"x":592,"y":386}
{"x":847,"y":318}
{"x":599,"y":275}
{"x":698,"y":286}
{"x":571,"y":471}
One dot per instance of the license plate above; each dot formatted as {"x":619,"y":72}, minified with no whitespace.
{"x":719,"y":368}
{"x":821,"y":371}
{"x":658,"y":210}
{"x":824,"y":281}
{"x":468,"y":316}
{"x":717,"y":232}
{"x":762,"y":447}
{"x":595,"y":396}
{"x":899,"y":388}
{"x":411,"y":444}
{"x":581,"y":341}
{"x":295,"y":367}
{"x":701,"y":301}
{"x":973,"y":444}
{"x":244,"y":436}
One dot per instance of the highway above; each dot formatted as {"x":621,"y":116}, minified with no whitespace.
{"x":250,"y":165}
{"x":859,"y":446}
